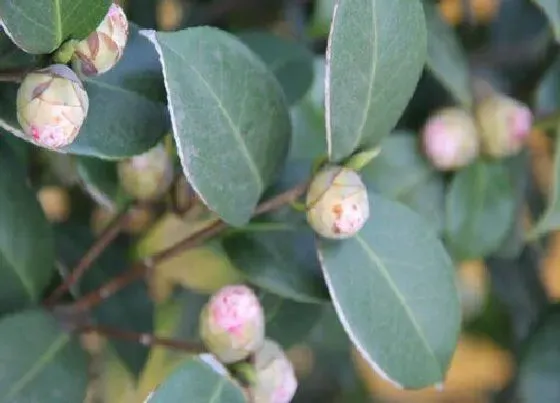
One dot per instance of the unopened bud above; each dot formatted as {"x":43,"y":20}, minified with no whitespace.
{"x":52,"y":105}
{"x":146,"y":177}
{"x":232,"y":324}
{"x":275,"y":377}
{"x":337,"y":203}
{"x":104,"y":47}
{"x":505,"y":125}
{"x":450,"y":139}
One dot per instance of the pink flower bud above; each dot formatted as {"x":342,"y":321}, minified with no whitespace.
{"x":52,"y":105}
{"x":505,"y":125}
{"x":104,"y":47}
{"x":450,"y":139}
{"x":275,"y":377}
{"x":337,"y":203}
{"x":232,"y":323}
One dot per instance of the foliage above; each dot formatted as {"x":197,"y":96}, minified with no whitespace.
{"x":283,"y":146}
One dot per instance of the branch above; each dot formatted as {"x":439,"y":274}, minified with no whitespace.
{"x":104,"y":240}
{"x":12,"y":76}
{"x":142,"y":268}
{"x":146,"y":339}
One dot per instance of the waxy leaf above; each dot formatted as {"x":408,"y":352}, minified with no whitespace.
{"x":446,"y":59}
{"x":480,"y":209}
{"x":200,"y":383}
{"x":39,"y":362}
{"x":26,"y":239}
{"x":375,"y":55}
{"x":229,"y":116}
{"x":393,"y":288}
{"x":41,"y":26}
{"x":551,"y":9}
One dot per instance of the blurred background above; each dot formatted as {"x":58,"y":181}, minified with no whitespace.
{"x":497,"y":35}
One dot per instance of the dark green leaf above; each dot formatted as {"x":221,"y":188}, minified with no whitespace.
{"x":288,"y":322}
{"x":41,"y":26}
{"x":26,"y":239}
{"x":39,"y":362}
{"x":446,"y":59}
{"x":229,"y":117}
{"x":308,"y":132}
{"x":419,"y":186}
{"x":269,"y":261}
{"x":200,"y":383}
{"x":131,"y":309}
{"x":540,"y":367}
{"x":393,"y":287}
{"x":551,"y":8}
{"x":480,"y":209}
{"x":100,"y":179}
{"x":376,"y":52}
{"x":12,"y":57}
{"x":290,"y":61}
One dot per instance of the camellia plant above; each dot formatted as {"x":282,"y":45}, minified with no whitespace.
{"x":190,"y":210}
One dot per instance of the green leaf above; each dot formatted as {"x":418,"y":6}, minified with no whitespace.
{"x":393,"y":287}
{"x":40,"y":363}
{"x":269,"y":261}
{"x":131,"y":309}
{"x":12,"y":57}
{"x":446,"y":58}
{"x":281,"y":324}
{"x":41,"y":26}
{"x":540,"y":366}
{"x":480,"y":209}
{"x":198,"y":381}
{"x":229,"y":117}
{"x":26,"y":239}
{"x":125,"y":116}
{"x":550,"y":220}
{"x":551,"y":9}
{"x":100,"y":180}
{"x":290,"y":61}
{"x":419,"y":186}
{"x":375,"y":56}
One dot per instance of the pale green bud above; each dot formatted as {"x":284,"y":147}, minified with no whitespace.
{"x":232,"y":323}
{"x":337,"y":203}
{"x":52,"y":105}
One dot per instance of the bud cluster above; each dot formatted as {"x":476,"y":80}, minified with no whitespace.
{"x":52,"y":103}
{"x":232,"y":327}
{"x":499,"y":127}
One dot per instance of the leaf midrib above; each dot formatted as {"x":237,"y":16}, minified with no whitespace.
{"x":36,"y":368}
{"x":385,"y":273}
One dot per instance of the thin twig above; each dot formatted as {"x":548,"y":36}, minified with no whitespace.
{"x":105,"y":239}
{"x":146,"y":339}
{"x":142,"y":268}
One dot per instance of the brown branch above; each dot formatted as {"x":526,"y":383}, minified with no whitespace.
{"x":146,"y":339}
{"x":142,"y":268}
{"x":103,"y":241}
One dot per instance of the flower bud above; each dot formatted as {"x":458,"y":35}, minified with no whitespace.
{"x":505,"y":125}
{"x":450,"y":139}
{"x":147,"y":176}
{"x":104,"y":47}
{"x":232,"y":323}
{"x":337,"y":203}
{"x":275,"y":377}
{"x":52,"y":105}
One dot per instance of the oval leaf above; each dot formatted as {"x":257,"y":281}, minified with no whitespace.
{"x":480,"y":209}
{"x":26,"y":239}
{"x":198,"y":381}
{"x":100,"y":179}
{"x":290,"y":61}
{"x":420,"y":186}
{"x":376,"y":52}
{"x":229,"y":116}
{"x":41,"y":26}
{"x":39,"y":362}
{"x":540,"y":367}
{"x":393,"y":288}
{"x":446,"y":59}
{"x":551,"y":9}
